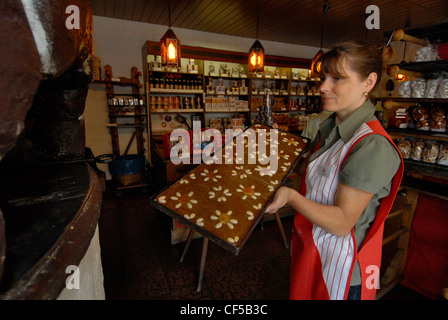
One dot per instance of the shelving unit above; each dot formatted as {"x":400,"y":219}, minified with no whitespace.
{"x":419,"y":177}
{"x":237,"y":77}
{"x":420,"y":167}
{"x":170,"y":92}
{"x":132,"y":108}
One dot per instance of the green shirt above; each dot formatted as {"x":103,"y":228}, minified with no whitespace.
{"x":370,"y":166}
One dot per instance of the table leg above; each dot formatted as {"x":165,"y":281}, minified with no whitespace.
{"x":187,"y":244}
{"x":201,"y":271}
{"x":280,"y":226}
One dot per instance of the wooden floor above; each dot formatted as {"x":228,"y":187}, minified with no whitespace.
{"x":140,"y":263}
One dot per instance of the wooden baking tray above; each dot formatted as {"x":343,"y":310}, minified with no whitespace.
{"x":224,"y":202}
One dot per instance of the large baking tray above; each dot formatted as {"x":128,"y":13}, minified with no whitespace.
{"x":200,"y":189}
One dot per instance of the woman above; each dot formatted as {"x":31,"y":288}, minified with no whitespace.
{"x":349,"y":186}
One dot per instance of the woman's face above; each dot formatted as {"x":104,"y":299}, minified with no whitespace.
{"x":345,"y":92}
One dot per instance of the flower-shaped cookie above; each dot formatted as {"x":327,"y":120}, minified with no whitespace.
{"x":199,"y":222}
{"x":297,"y":151}
{"x":248,"y":192}
{"x":269,"y":172}
{"x":183,"y":199}
{"x":290,"y":141}
{"x":224,"y":219}
{"x":209,"y":175}
{"x":273,"y":185}
{"x":286,"y":166}
{"x":231,"y":157}
{"x":184,"y":180}
{"x":242,"y":174}
{"x":219,"y":193}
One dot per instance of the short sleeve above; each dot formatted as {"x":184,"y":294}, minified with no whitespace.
{"x":371,"y":164}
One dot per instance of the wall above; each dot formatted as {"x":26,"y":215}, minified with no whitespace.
{"x":119,"y":43}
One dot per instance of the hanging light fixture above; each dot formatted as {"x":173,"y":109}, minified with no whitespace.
{"x":170,"y":46}
{"x":256,"y":54}
{"x":317,"y":60}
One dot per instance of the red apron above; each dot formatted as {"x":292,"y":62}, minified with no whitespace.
{"x":322,"y":263}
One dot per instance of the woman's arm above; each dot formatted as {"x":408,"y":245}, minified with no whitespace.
{"x":337,"y":219}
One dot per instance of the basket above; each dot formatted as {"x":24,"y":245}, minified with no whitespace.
{"x":128,"y":169}
{"x":129,"y":179}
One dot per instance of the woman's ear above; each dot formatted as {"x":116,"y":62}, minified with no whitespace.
{"x":371,"y":81}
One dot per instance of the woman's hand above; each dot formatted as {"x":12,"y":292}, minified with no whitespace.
{"x":337,"y":219}
{"x":281,"y":199}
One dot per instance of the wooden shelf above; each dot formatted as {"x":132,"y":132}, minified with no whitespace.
{"x":138,"y":124}
{"x":426,"y":187}
{"x":125,"y":125}
{"x":226,"y":111}
{"x":305,"y":80}
{"x":433,"y":170}
{"x":226,"y":77}
{"x":159,"y":111}
{"x":253,"y":77}
{"x":412,"y":100}
{"x":126,"y":115}
{"x":174,"y":72}
{"x":171,"y":91}
{"x":227,"y":94}
{"x":426,"y":134}
{"x":426,"y":67}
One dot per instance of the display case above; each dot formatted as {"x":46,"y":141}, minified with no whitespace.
{"x":414,"y":110}
{"x":226,"y":97}
{"x":417,"y":119}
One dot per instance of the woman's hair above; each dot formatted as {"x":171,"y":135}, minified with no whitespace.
{"x":362,"y":57}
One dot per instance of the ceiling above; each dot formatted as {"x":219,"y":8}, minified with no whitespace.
{"x":296,"y":22}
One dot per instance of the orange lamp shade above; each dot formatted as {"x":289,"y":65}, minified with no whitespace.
{"x":316,"y":64}
{"x":170,"y":50}
{"x":256,"y":58}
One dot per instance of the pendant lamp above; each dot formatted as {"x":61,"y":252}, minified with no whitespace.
{"x":256,"y":55}
{"x":317,"y":60}
{"x":170,"y":47}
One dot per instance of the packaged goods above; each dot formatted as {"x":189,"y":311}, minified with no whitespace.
{"x":438,"y":119}
{"x":405,"y":89}
{"x":405,"y":147}
{"x":442,"y":90}
{"x":430,"y":151}
{"x":418,"y":146}
{"x":418,"y":88}
{"x":410,"y":121}
{"x":427,"y":53}
{"x":431,"y":87}
{"x":422,"y":117}
{"x":443,"y":154}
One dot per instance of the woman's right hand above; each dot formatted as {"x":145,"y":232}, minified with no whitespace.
{"x":281,"y":199}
